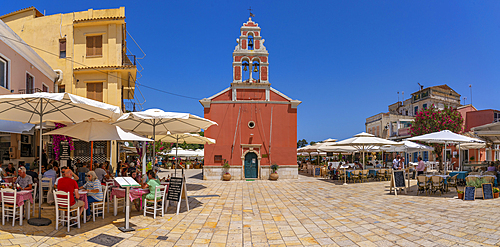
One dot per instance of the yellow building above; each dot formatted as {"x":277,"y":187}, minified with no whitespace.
{"x":88,"y":48}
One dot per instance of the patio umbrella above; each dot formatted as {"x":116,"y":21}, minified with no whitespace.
{"x":407,"y":147}
{"x":185,"y":138}
{"x":364,"y":142}
{"x":56,"y":107}
{"x":490,"y":132}
{"x":444,"y":137}
{"x":156,"y":121}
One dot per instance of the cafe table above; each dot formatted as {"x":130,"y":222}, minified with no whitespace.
{"x":461,"y":174}
{"x":84,"y":198}
{"x":21,"y":197}
{"x":134,"y":193}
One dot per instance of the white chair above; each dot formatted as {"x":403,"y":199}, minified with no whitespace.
{"x":117,"y":200}
{"x":62,"y":201}
{"x":159,"y":198}
{"x":9,"y":206}
{"x":47,"y":185}
{"x":107,"y":196}
{"x":35,"y":193}
{"x":98,"y":207}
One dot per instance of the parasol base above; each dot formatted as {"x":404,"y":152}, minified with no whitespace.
{"x":123,"y":229}
{"x":39,"y":222}
{"x":345,"y":184}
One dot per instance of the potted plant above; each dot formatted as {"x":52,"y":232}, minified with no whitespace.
{"x":495,"y":192}
{"x":460,"y":194}
{"x":478,"y":183}
{"x":226,"y":176}
{"x":472,"y":158}
{"x":274,"y":172}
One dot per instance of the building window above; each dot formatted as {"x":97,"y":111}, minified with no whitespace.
{"x":425,"y":155}
{"x":4,"y":66}
{"x":217,"y":158}
{"x":62,"y":88}
{"x":30,"y":83}
{"x":416,"y":110}
{"x":250,"y":42}
{"x":45,"y":88}
{"x":94,"y":46}
{"x":424,"y":106}
{"x":496,"y":117}
{"x":94,"y":91}
{"x":62,"y":48}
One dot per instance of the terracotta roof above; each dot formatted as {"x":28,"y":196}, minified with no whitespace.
{"x":106,"y":67}
{"x":38,"y":14}
{"x":102,"y":18}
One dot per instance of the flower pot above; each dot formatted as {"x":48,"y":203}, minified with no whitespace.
{"x":495,"y":195}
{"x":226,"y":177}
{"x":274,"y":176}
{"x":461,"y":196}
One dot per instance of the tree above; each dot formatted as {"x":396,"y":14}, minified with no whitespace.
{"x":312,"y":143}
{"x":433,"y":120}
{"x":301,"y":143}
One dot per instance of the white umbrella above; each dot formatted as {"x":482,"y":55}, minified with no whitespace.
{"x":156,"y":121}
{"x":490,"y":132}
{"x":365,"y":142}
{"x":407,"y":146}
{"x":92,"y":130}
{"x":444,"y":137}
{"x":185,"y":138}
{"x":56,"y":107}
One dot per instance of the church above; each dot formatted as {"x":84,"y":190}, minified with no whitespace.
{"x":257,"y":124}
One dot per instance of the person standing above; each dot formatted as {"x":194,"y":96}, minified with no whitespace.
{"x":395,"y":163}
{"x":421,"y":166}
{"x":101,"y":173}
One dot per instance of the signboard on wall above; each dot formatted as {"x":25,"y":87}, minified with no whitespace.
{"x":64,"y":150}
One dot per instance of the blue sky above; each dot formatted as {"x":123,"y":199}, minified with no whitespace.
{"x":345,"y":60}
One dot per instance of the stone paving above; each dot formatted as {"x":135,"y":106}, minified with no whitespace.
{"x":303,"y":212}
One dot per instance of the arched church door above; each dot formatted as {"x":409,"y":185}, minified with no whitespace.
{"x":251,"y":165}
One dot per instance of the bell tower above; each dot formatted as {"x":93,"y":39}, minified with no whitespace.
{"x":250,"y":64}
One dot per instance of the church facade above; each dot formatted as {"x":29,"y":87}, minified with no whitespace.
{"x":257,"y":123}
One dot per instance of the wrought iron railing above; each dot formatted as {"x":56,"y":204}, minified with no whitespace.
{"x":129,"y":60}
{"x":29,"y":90}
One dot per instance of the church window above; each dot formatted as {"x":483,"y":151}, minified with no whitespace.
{"x":245,"y":74}
{"x":251,"y":124}
{"x":255,"y":70}
{"x":217,"y":158}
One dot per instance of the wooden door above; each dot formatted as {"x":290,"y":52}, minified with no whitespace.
{"x":250,"y":165}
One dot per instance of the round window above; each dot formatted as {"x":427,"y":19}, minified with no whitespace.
{"x":251,"y":124}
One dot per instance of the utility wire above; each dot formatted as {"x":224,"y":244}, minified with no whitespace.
{"x":98,"y":70}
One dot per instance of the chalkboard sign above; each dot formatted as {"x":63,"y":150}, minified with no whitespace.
{"x":487,"y":191}
{"x":175,"y":189}
{"x":329,"y":154}
{"x":317,"y":171}
{"x":469,"y":193}
{"x":64,"y":155}
{"x":399,"y":179}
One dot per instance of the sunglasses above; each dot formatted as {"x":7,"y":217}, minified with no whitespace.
{"x":89,"y":176}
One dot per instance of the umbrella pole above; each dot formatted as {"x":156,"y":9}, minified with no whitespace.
{"x":176,"y":157}
{"x":91,"y":153}
{"x":459,"y":158}
{"x":40,"y":221}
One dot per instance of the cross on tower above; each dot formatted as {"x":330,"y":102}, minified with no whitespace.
{"x":250,"y":10}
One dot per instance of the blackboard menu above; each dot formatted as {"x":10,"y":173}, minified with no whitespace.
{"x":317,"y":171}
{"x":469,"y":193}
{"x":399,"y":179}
{"x":64,"y":149}
{"x":175,"y":189}
{"x":329,"y":154}
{"x":487,"y":191}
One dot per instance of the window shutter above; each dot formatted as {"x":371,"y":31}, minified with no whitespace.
{"x":98,"y":45}
{"x":98,"y":91}
{"x":90,"y":46}
{"x":62,"y":45}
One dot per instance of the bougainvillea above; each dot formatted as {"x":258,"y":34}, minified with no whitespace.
{"x":57,"y":139}
{"x":160,"y":147}
{"x":433,"y":120}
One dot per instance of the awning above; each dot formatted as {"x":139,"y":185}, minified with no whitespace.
{"x":16,"y":127}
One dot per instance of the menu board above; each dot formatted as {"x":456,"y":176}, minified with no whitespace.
{"x":469,"y":193}
{"x":399,"y":179}
{"x":317,"y":171}
{"x":175,"y":189}
{"x":64,"y":150}
{"x":487,"y":191}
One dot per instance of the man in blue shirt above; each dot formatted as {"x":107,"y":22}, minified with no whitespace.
{"x":50,"y":173}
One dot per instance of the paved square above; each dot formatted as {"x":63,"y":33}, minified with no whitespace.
{"x":303,"y":212}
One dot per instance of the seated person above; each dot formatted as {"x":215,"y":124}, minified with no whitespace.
{"x":69,"y":185}
{"x":377,"y":165}
{"x":135,"y":177}
{"x":10,"y":170}
{"x":63,"y":170}
{"x":24,"y":181}
{"x":151,"y":184}
{"x":131,"y":167}
{"x":83,"y":169}
{"x":33,"y":174}
{"x":101,"y":173}
{"x":50,"y":173}
{"x":94,"y":188}
{"x":2,"y":174}
{"x":491,"y":168}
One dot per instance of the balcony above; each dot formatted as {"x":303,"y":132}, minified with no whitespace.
{"x":29,"y":90}
{"x":404,"y":132}
{"x":129,"y":60}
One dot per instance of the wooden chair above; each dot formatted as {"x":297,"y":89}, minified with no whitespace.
{"x":9,"y":206}
{"x":437,"y":184}
{"x":490,"y":173}
{"x":62,"y":201}
{"x":453,"y":182}
{"x":355,"y":176}
{"x":381,"y":174}
{"x":342,"y":175}
{"x":474,"y":173}
{"x":423,"y":184}
{"x":363,"y":175}
{"x":158,"y":199}
{"x":98,"y":207}
{"x":388,"y":174}
{"x":468,"y":179}
{"x":489,"y":179}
